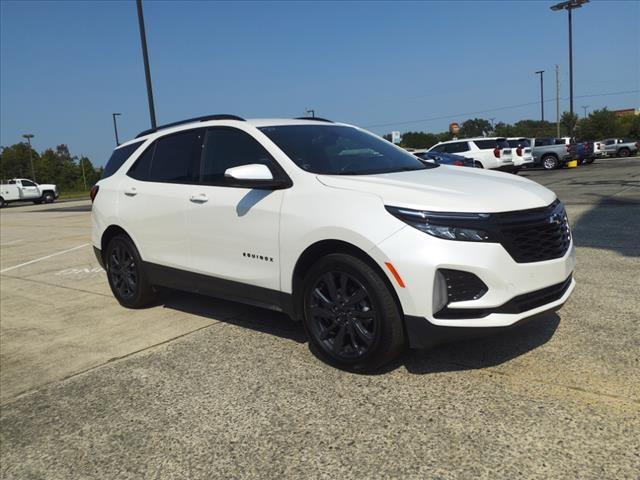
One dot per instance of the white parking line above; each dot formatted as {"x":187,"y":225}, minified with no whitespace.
{"x":44,"y":258}
{"x":13,"y":242}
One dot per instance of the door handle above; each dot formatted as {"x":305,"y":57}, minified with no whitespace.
{"x":202,"y":198}
{"x":131,"y":192}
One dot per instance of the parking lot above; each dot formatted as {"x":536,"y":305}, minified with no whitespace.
{"x":202,"y":388}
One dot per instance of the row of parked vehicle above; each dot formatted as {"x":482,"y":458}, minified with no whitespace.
{"x":513,"y":154}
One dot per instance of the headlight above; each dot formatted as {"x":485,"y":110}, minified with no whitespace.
{"x":450,"y":226}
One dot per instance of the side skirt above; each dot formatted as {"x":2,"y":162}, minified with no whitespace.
{"x":174,"y":278}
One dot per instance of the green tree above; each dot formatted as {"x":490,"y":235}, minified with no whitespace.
{"x":568,"y":122}
{"x":600,"y":124}
{"x":475,"y":127}
{"x":15,"y":161}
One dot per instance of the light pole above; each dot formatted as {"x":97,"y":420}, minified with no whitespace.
{"x":541,"y":73}
{"x":115,"y":127}
{"x":569,"y":6}
{"x":84,"y":178}
{"x":145,"y":57}
{"x":585,"y":110}
{"x":310,"y":111}
{"x":29,"y":136}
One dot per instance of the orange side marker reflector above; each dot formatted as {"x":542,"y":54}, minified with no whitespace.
{"x":395,"y":274}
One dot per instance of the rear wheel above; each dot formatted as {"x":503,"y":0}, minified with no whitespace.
{"x":127,"y":278}
{"x":2,"y":203}
{"x":549,"y":162}
{"x":624,"y":152}
{"x":350,"y":314}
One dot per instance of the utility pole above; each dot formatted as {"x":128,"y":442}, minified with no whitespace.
{"x":569,"y":6}
{"x":84,"y":178}
{"x":585,"y":110}
{"x":29,"y":136}
{"x":541,"y":73}
{"x":115,"y":127}
{"x":310,"y":111}
{"x":557,"y":102}
{"x":145,"y":57}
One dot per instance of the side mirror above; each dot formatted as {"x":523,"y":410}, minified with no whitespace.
{"x":254,"y":175}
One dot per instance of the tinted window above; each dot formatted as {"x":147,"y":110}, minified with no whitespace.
{"x":174,"y":157}
{"x":118,"y":157}
{"x":340,"y":150}
{"x":142,"y":166}
{"x":543,"y":142}
{"x":456,"y":147}
{"x":438,"y":148}
{"x":28,"y":183}
{"x":486,"y":144}
{"x":519,"y":142}
{"x":227,"y":148}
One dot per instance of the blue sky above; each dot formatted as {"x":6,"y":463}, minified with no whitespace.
{"x":66,"y":66}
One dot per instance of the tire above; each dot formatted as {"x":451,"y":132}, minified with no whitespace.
{"x":589,"y":161}
{"x":2,"y":202}
{"x":624,"y":152}
{"x":478,"y":164}
{"x":126,"y":275}
{"x":350,"y":314}
{"x":549,"y":162}
{"x":48,"y":197}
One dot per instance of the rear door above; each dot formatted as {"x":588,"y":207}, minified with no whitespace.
{"x":155,"y":198}
{"x":234,"y":230}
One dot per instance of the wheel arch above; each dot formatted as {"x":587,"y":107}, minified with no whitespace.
{"x":326,"y":247}
{"x":110,"y":232}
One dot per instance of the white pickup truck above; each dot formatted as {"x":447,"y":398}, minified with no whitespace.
{"x":23,"y":190}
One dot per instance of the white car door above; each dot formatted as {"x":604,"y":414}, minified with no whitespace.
{"x":155,"y":198}
{"x":234,"y":230}
{"x":28,"y":190}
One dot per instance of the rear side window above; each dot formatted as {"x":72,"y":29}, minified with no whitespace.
{"x":227,"y":148}
{"x":170,"y":159}
{"x":486,"y":144}
{"x":118,"y":157}
{"x":456,"y":147}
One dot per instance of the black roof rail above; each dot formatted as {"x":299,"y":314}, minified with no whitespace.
{"x":191,"y":120}
{"x":318,"y":119}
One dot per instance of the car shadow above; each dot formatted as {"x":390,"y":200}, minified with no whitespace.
{"x":461,"y":355}
{"x":612,"y":224}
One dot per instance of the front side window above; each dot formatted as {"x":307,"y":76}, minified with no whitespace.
{"x":226,"y":148}
{"x":28,"y":183}
{"x":340,"y":150}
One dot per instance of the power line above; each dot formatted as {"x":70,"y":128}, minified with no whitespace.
{"x":457,"y":115}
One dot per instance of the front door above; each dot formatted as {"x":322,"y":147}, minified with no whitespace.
{"x":235,"y":231}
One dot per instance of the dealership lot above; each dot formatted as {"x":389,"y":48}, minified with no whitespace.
{"x":202,"y":388}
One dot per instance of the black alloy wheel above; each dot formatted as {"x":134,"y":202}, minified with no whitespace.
{"x":351,"y":315}
{"x":342,"y":314}
{"x":126,"y":275}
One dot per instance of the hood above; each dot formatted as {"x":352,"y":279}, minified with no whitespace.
{"x":448,"y":189}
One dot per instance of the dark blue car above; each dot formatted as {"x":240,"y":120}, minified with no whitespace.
{"x":446,"y":159}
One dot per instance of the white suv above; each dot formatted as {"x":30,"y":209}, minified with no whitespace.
{"x":492,"y":153}
{"x":364,"y":243}
{"x":521,"y":153}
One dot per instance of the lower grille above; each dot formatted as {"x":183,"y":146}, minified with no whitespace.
{"x":520,"y":304}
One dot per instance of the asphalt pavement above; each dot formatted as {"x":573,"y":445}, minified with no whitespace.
{"x":195,"y":387}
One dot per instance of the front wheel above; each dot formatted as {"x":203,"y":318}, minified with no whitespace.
{"x":549,"y":162}
{"x":48,"y":197}
{"x":350,"y":314}
{"x":127,"y":278}
{"x":624,"y":152}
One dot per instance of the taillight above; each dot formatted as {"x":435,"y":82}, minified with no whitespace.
{"x":94,"y":192}
{"x":519,"y":151}
{"x":496,"y":152}
{"x":458,"y":163}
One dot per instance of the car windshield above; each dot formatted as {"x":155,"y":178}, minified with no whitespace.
{"x":340,"y":150}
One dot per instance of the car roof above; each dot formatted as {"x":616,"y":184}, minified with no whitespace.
{"x":255,"y":122}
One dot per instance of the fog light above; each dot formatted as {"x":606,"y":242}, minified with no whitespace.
{"x":440,"y":298}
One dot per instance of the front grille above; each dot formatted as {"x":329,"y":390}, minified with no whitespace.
{"x":535,"y":235}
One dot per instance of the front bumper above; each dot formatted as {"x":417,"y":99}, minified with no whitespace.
{"x":417,"y":257}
